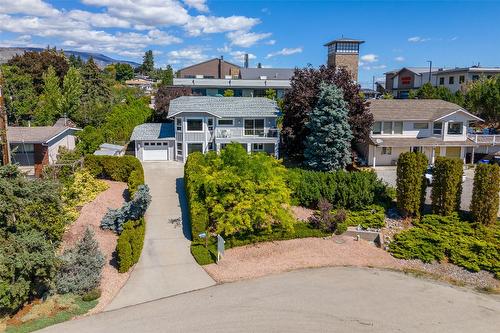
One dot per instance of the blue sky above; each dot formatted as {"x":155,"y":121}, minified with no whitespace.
{"x":274,"y":33}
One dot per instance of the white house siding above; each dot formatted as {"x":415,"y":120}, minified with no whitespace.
{"x":67,"y":141}
{"x":456,"y":117}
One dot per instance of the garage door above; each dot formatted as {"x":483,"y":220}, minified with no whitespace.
{"x":155,"y":151}
{"x":453,"y":152}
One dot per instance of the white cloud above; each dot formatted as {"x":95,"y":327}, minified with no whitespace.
{"x":246,"y":39}
{"x":98,"y":19}
{"x":418,"y":39}
{"x":225,"y":49}
{"x":270,"y":42}
{"x":369,"y":58}
{"x":284,"y":52}
{"x":400,"y":58}
{"x":187,"y":56}
{"x":199,"y":5}
{"x":239,"y":56}
{"x":28,"y":7}
{"x":210,"y":24}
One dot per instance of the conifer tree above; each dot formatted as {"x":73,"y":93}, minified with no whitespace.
{"x":72,"y":92}
{"x":50,"y":103}
{"x":328,"y":146}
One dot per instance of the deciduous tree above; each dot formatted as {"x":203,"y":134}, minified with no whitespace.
{"x":72,"y":92}
{"x":50,"y":104}
{"x":20,"y":96}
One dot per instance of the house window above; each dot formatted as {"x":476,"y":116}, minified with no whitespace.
{"x":441,"y":81}
{"x":179,"y":148}
{"x":406,"y":80}
{"x":146,"y":143}
{"x":178,"y":124}
{"x":455,"y":128}
{"x":451,"y":80}
{"x":225,"y":122}
{"x":416,"y":149}
{"x":386,"y":150}
{"x":254,"y":127}
{"x":437,"y":128}
{"x":24,"y":148}
{"x":210,"y":124}
{"x":387,"y":127}
{"x":258,"y":147}
{"x":461,"y":79}
{"x":475,"y":77}
{"x":398,"y":127}
{"x":420,"y":126}
{"x":194,"y":125}
{"x":195,"y":147}
{"x":377,"y":127}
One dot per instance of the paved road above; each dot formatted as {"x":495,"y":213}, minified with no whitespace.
{"x":316,"y":300}
{"x":388,"y":174}
{"x":166,"y":266}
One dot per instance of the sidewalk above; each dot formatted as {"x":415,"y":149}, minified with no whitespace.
{"x":166,"y":266}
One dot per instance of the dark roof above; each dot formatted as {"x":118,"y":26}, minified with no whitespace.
{"x":270,"y":73}
{"x":343,"y":39}
{"x":224,"y":106}
{"x":204,"y":62}
{"x":412,"y":109}
{"x":153,"y":131}
{"x":473,"y":69}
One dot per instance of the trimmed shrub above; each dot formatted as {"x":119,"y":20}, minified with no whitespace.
{"x":198,"y":214}
{"x":349,"y":190}
{"x":130,"y":243}
{"x":484,"y":204}
{"x":446,"y":185}
{"x":91,"y":295}
{"x":119,"y":168}
{"x":132,"y":210}
{"x":81,"y":266}
{"x":371,"y":217}
{"x":434,"y":238}
{"x":410,"y":183}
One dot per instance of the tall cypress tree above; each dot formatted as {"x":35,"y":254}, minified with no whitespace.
{"x":49,"y":107}
{"x":328,"y":146}
{"x":148,"y":63}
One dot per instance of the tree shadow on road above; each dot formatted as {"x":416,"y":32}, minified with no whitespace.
{"x":181,"y":192}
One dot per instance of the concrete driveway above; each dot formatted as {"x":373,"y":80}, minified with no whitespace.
{"x":316,"y":300}
{"x":388,"y":174}
{"x":166,"y":266}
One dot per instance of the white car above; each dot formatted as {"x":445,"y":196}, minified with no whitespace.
{"x":428,"y":176}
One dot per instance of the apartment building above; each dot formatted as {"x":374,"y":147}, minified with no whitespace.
{"x":455,"y":79}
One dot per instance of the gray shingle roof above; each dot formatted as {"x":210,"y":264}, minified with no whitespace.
{"x":270,"y":73}
{"x":39,"y":134}
{"x":224,"y":106}
{"x":411,"y":109}
{"x":153,"y":131}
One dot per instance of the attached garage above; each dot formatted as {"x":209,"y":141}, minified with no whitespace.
{"x":154,"y":142}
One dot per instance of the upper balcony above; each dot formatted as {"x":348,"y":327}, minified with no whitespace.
{"x":230,"y":133}
{"x":485,"y":139}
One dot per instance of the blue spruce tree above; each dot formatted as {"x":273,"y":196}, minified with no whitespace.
{"x":328,"y":147}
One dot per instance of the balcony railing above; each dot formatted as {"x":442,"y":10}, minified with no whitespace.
{"x":493,"y":139}
{"x":223,"y":133}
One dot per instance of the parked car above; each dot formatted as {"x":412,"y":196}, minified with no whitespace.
{"x":428,"y":175}
{"x":490,"y":159}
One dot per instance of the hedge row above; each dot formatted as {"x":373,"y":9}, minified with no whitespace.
{"x":130,"y":243}
{"x":119,"y":168}
{"x":349,"y":190}
{"x":484,"y":204}
{"x":446,"y":185}
{"x":198,"y":214}
{"x":411,"y":183}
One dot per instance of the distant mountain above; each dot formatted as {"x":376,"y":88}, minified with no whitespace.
{"x":6,"y":53}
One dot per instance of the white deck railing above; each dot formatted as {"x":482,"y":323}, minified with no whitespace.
{"x":493,"y":139}
{"x":241,"y":133}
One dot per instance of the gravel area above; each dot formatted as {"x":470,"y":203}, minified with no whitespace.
{"x":91,"y":215}
{"x":262,"y":259}
{"x":302,"y":213}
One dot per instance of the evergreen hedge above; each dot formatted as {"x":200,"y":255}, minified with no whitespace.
{"x":130,"y":243}
{"x":484,"y":204}
{"x":198,"y":213}
{"x":410,"y":183}
{"x":349,"y":190}
{"x":119,"y":168}
{"x":446,"y":185}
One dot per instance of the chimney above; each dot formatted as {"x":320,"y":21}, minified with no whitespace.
{"x":259,"y":65}
{"x":246,"y":60}
{"x":221,"y":59}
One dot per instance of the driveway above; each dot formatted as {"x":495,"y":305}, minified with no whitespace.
{"x":166,"y":266}
{"x":388,"y":174}
{"x":338,"y":299}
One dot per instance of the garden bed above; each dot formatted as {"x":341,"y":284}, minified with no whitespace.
{"x":91,"y":215}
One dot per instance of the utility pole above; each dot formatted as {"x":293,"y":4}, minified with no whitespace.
{"x":373,"y":82}
{"x":430,"y":69}
{"x":3,"y":128}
